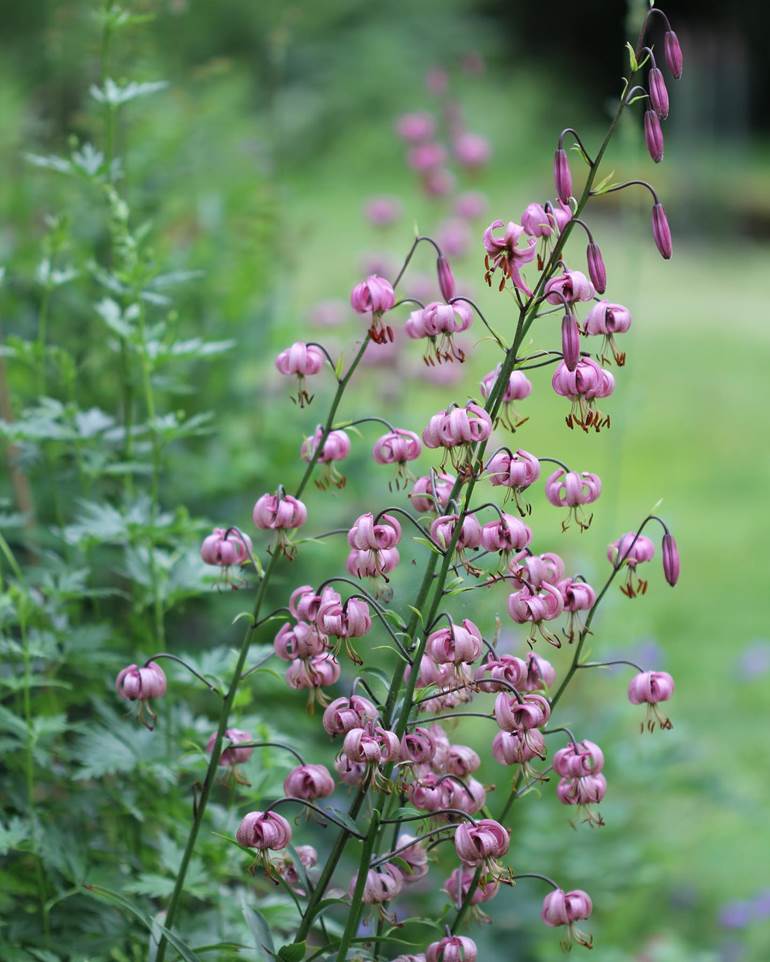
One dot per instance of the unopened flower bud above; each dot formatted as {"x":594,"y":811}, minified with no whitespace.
{"x":673,"y":52}
{"x":653,"y":135}
{"x":446,"y":280}
{"x":656,"y":86}
{"x":562,"y":175}
{"x":570,"y":341}
{"x":670,"y":559}
{"x":596,"y":269}
{"x":661,"y":232}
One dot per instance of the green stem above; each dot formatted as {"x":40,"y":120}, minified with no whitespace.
{"x":354,"y":914}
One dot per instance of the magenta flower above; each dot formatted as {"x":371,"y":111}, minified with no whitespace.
{"x":264,"y":830}
{"x":348,"y":619}
{"x":312,"y":674}
{"x":439,"y":323}
{"x":416,"y":127}
{"x":518,"y":747}
{"x":383,"y":883}
{"x":653,"y":135}
{"x":583,"y":386}
{"x":535,"y":221}
{"x":365,"y":535}
{"x":374,"y":296}
{"x":452,"y":948}
{"x":578,"y":596}
{"x":516,"y":471}
{"x":460,"y":643}
{"x":232,"y":755}
{"x":519,"y":387}
{"x":442,"y":532}
{"x":458,"y":885}
{"x":661,"y":232}
{"x":559,"y":214}
{"x":351,"y":773}
{"x":571,"y":286}
{"x":585,"y":793}
{"x":372,"y":564}
{"x":336,"y":447}
{"x":279,"y":511}
{"x":458,"y":428}
{"x":471,"y":205}
{"x":301,"y":360}
{"x":345,"y":713}
{"x":472,"y":151}
{"x":578,"y":759}
{"x":566,"y":908}
{"x":609,"y":319}
{"x":135,"y":683}
{"x":431,"y":492}
{"x":505,"y":254}
{"x":417,"y":746}
{"x":304,"y":602}
{"x":536,"y":607}
{"x":532,"y":571}
{"x":505,"y":668}
{"x":382,"y":211}
{"x":454,"y":235}
{"x":540,"y":673}
{"x":372,"y":745}
{"x":650,"y":688}
{"x":570,"y":489}
{"x":461,"y":760}
{"x":513,"y":715}
{"x":505,"y":535}
{"x":308,"y":782}
{"x":631,"y":550}
{"x":562,"y":176}
{"x":415,"y":857}
{"x":481,"y":841}
{"x":438,"y":182}
{"x":426,"y":157}
{"x":430,"y":794}
{"x":302,"y":640}
{"x":225,"y":547}
{"x":596,"y":269}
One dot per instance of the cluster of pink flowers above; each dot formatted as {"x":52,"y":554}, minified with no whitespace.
{"x":397,"y":750}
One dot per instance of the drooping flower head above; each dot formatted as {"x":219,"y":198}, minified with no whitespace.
{"x":631,"y":549}
{"x":264,"y":830}
{"x":482,"y":841}
{"x":140,"y":684}
{"x":336,"y":447}
{"x":573,"y":490}
{"x":431,"y":492}
{"x":650,"y":688}
{"x":232,"y":754}
{"x":583,"y":387}
{"x":457,"y":429}
{"x":301,"y":360}
{"x":566,"y":908}
{"x":308,"y":782}
{"x":226,"y":547}
{"x":438,"y":323}
{"x":519,"y":387}
{"x":515,"y":470}
{"x":374,"y":296}
{"x":452,"y":948}
{"x":608,"y":320}
{"x":504,"y":254}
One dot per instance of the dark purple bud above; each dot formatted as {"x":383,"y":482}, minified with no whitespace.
{"x":658,"y":92}
{"x":670,"y":559}
{"x":562,"y":176}
{"x":661,"y":232}
{"x":570,"y":341}
{"x":653,"y":135}
{"x":446,"y":279}
{"x":596,"y":269}
{"x":673,"y":54}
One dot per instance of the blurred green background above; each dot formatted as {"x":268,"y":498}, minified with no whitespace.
{"x":254,"y":167}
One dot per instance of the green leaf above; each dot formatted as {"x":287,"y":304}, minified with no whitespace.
{"x":345,"y":820}
{"x":292,"y":952}
{"x":152,"y":925}
{"x":12,"y":834}
{"x":259,"y":929}
{"x":632,"y":57}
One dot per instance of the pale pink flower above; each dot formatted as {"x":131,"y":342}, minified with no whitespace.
{"x":650,"y":688}
{"x":471,"y":150}
{"x":308,"y":782}
{"x":431,"y":492}
{"x":481,"y":841}
{"x":566,"y":908}
{"x":452,"y":948}
{"x":273,"y":512}
{"x":516,"y":715}
{"x":302,"y":640}
{"x":571,"y":286}
{"x":415,"y":127}
{"x":573,"y":490}
{"x":141,"y":683}
{"x":345,"y":713}
{"x":608,"y":320}
{"x":383,"y":883}
{"x":231,"y":754}
{"x":264,"y":830}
